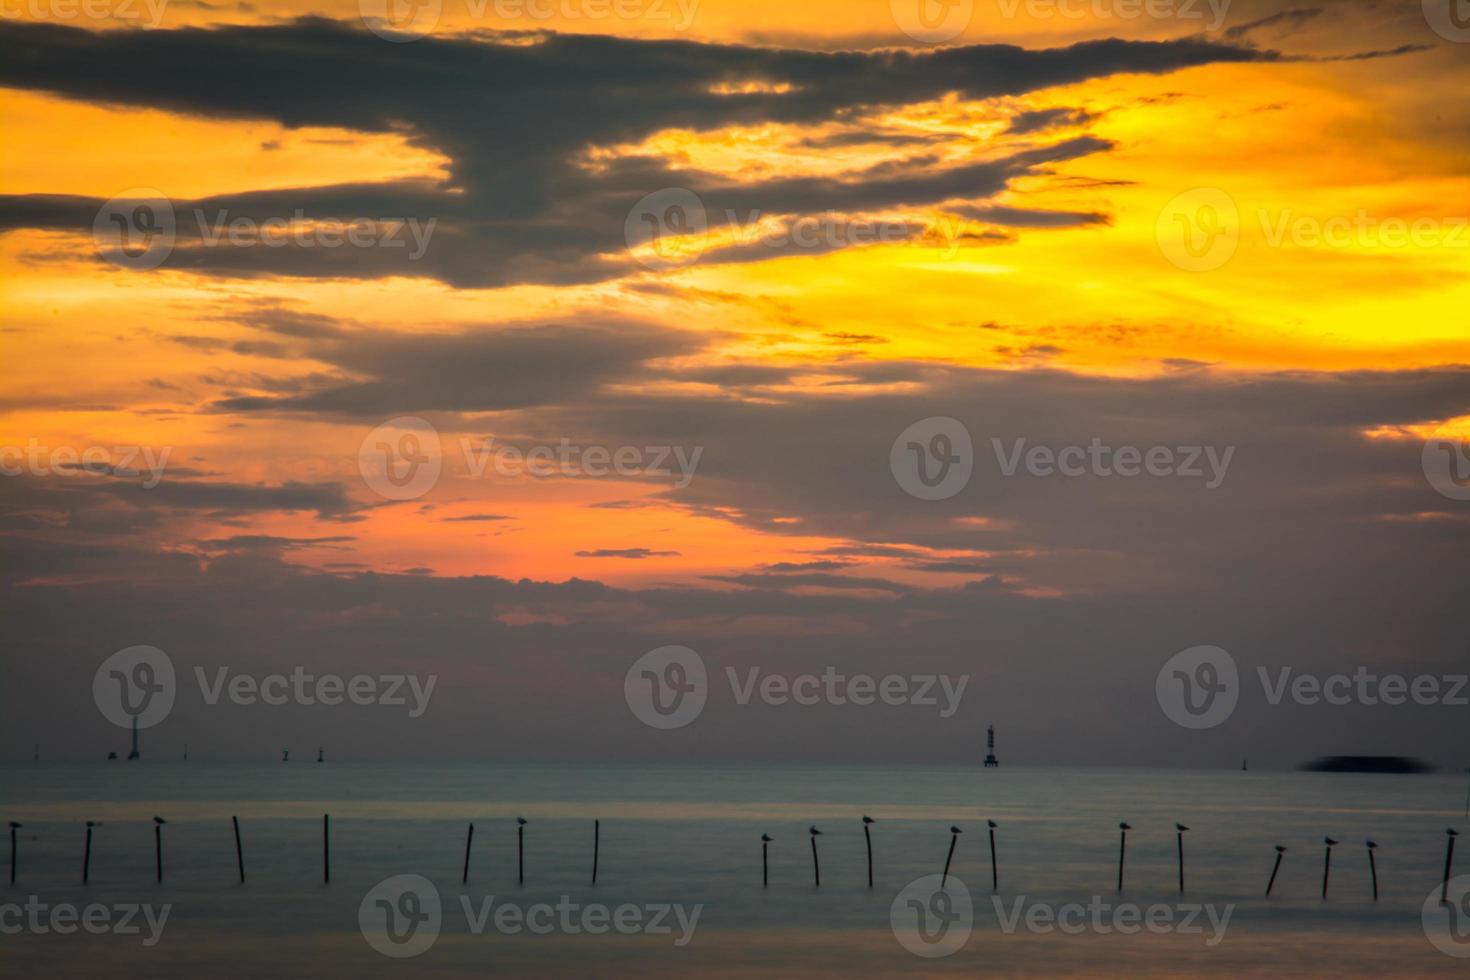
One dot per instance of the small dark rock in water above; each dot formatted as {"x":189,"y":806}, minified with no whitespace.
{"x":1368,"y":763}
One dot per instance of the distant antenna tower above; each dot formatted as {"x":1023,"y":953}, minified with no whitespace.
{"x":990,"y":760}
{"x":133,"y":755}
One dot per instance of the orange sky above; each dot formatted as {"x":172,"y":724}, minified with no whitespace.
{"x":95,"y":355}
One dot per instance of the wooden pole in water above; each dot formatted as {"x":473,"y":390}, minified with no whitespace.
{"x":87,"y":854}
{"x":1272,"y":883}
{"x":13,"y":828}
{"x":1449,"y":863}
{"x":158,"y":823}
{"x":994,"y":871}
{"x":816,"y":866}
{"x":521,"y":850}
{"x":1180,"y":829}
{"x":596,"y":846}
{"x":1122,"y":852}
{"x":868,"y":839}
{"x":765,"y":866}
{"x":326,"y":848}
{"x":954,"y":838}
{"x":239,"y":851}
{"x":1327,"y":865}
{"x":1373,"y":868}
{"x":468,"y":839}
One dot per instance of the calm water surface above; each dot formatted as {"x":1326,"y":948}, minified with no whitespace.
{"x":690,"y":836}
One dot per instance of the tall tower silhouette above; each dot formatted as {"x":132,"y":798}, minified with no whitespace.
{"x":990,"y":759}
{"x":134,"y":754}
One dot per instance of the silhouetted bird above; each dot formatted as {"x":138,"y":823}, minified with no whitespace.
{"x":159,"y":820}
{"x":992,"y":824}
{"x":869,"y":820}
{"x":955,"y":830}
{"x":1330,"y":842}
{"x":767,"y":838}
{"x":1180,"y":827}
{"x":1124,"y":826}
{"x":521,"y":821}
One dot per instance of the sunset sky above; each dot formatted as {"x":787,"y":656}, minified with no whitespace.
{"x":1046,"y":186}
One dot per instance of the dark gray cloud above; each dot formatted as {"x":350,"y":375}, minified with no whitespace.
{"x":514,"y":118}
{"x":1038,"y":120}
{"x":383,"y":373}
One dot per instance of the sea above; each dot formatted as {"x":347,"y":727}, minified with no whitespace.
{"x":359,"y":870}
